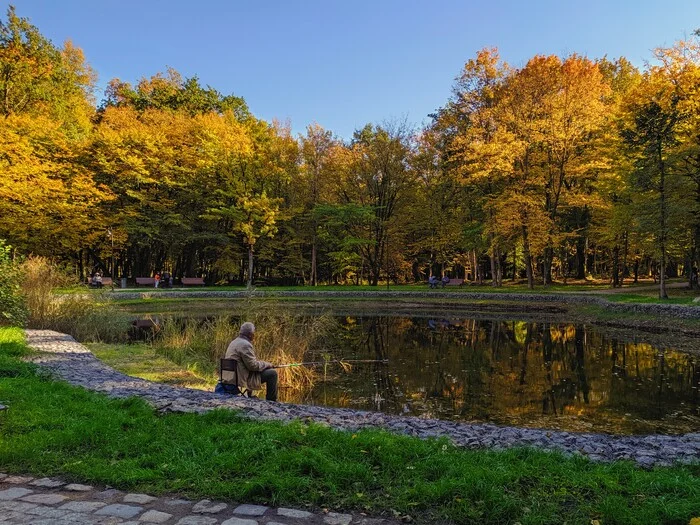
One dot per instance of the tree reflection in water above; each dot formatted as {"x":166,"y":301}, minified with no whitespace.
{"x":545,"y":375}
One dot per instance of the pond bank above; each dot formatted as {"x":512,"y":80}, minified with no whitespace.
{"x":71,"y":361}
{"x":664,"y":325}
{"x":437,"y":296}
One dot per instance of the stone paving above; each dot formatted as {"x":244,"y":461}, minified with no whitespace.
{"x":73,"y":362}
{"x":51,"y":501}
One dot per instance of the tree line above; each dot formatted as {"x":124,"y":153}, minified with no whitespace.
{"x":566,"y":167}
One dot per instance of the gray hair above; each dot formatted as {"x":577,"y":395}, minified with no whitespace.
{"x":247,"y":329}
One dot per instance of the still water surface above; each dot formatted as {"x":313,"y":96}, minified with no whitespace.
{"x":560,"y":376}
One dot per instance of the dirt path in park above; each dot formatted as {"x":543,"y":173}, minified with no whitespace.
{"x":636,"y":288}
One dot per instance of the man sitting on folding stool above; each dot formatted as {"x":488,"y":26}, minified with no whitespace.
{"x":250,"y":371}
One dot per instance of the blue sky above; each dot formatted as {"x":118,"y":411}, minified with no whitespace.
{"x":343,"y":64}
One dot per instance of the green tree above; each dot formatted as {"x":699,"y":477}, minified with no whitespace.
{"x":650,"y":132}
{"x":379,"y":178}
{"x":317,"y":152}
{"x":172,"y":91}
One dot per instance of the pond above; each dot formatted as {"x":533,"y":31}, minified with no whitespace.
{"x":558,"y":376}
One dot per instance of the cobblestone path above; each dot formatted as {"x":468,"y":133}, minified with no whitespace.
{"x":51,"y":501}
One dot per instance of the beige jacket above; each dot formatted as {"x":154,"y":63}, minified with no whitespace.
{"x":249,"y":367}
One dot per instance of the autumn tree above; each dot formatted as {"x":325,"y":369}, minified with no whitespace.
{"x":171,"y":91}
{"x":482,"y":145}
{"x":440,"y":208}
{"x":47,"y":199}
{"x":650,"y":131}
{"x":378,"y":178}
{"x":680,"y":64}
{"x":558,"y":108}
{"x":317,"y":154}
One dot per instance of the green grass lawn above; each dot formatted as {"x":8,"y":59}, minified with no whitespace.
{"x":631,"y":293}
{"x":53,"y":429}
{"x":141,"y":360}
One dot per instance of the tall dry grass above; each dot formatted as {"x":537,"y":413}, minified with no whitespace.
{"x":87,"y":316}
{"x":280,"y":338}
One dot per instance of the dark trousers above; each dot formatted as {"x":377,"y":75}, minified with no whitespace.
{"x":269,"y":377}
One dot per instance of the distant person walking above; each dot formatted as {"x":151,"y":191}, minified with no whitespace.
{"x":252,"y":372}
{"x":157,"y":279}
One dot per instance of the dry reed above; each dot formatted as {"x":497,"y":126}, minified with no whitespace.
{"x":280,"y":338}
{"x":89,"y":317}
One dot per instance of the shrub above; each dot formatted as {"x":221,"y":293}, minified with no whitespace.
{"x":13,"y":309}
{"x":87,"y":316}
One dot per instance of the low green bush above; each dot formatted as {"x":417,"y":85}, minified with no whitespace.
{"x":13,"y":307}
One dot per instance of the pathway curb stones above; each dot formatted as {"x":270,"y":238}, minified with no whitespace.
{"x":155,"y":516}
{"x":293,"y":513}
{"x":197,"y":520}
{"x":141,"y":499}
{"x":176,"y":502}
{"x":334,"y":518}
{"x":48,"y":483}
{"x":14,"y":493}
{"x":18,"y":480}
{"x":250,"y":510}
{"x":109,"y":494}
{"x":239,"y":521}
{"x":119,"y":511}
{"x":45,"y":499}
{"x":19,"y":506}
{"x":82,"y":506}
{"x":77,"y":487}
{"x":207,"y":507}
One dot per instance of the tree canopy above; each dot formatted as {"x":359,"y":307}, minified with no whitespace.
{"x":565,"y":167}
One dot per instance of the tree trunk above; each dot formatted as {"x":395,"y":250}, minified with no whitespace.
{"x":528,"y":259}
{"x":313,"y":276}
{"x":547,"y":266}
{"x":250,"y":266}
{"x":616,"y":267}
{"x":581,"y":258}
{"x":662,"y":192}
{"x":494,"y":281}
{"x":81,"y":268}
{"x":564,"y":264}
{"x":625,"y":257}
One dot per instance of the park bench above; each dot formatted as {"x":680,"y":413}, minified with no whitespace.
{"x":106,"y":281}
{"x":188,"y":281}
{"x":145,"y":281}
{"x":455,"y":282}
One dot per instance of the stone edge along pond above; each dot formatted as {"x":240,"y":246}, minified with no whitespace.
{"x":71,"y":361}
{"x":677,"y":310}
